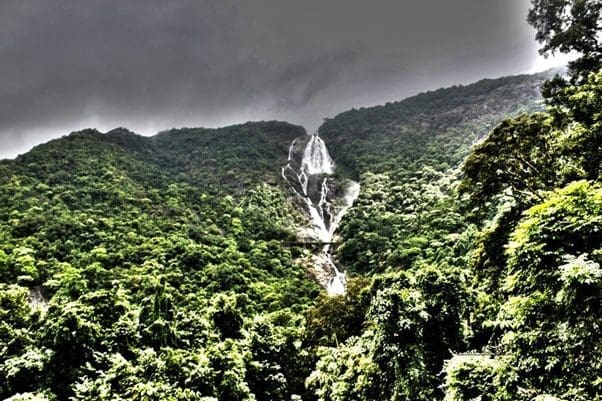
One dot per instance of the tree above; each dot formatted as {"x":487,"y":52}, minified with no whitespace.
{"x":518,"y":155}
{"x":226,"y":315}
{"x":334,"y":319}
{"x":581,"y":119}
{"x":551,"y":318}
{"x":570,"y":25}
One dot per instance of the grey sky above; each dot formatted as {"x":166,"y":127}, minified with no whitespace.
{"x":151,"y":65}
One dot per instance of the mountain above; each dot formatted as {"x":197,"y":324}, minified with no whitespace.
{"x":178,"y":267}
{"x":403,"y":154}
{"x":230,"y":159}
{"x":441,"y":125}
{"x":116,"y":245}
{"x":474,"y":247}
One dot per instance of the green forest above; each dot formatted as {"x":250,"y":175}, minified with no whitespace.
{"x":156,"y":268}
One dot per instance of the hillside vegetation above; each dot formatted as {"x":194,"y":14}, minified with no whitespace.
{"x":136,"y":268}
{"x":485,"y":280}
{"x":129,"y":271}
{"x":405,"y":154}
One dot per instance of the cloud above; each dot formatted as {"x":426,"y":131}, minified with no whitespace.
{"x":151,"y":65}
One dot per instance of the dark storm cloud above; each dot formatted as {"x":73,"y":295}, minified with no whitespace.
{"x":151,"y":65}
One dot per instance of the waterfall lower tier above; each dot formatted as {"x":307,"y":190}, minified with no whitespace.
{"x":325,"y":201}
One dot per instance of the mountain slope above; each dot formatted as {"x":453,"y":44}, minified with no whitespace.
{"x":235,"y":157}
{"x":404,"y":153}
{"x":439,"y":125}
{"x":154,"y":268}
{"x":118,"y":249}
{"x":485,"y":279}
{"x":229,"y":159}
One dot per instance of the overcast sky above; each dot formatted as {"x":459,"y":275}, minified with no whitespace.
{"x":151,"y":65}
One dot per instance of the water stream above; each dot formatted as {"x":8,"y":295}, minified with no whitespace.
{"x":309,"y":171}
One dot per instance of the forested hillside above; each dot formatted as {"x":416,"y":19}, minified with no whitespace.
{"x":167,"y":268}
{"x":224,"y":160}
{"x":405,"y":154}
{"x":432,"y":129}
{"x":140,"y":268}
{"x":484,"y":260}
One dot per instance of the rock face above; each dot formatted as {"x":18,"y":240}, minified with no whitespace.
{"x":324,"y":201}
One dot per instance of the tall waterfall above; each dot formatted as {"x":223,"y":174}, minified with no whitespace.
{"x":309,"y":173}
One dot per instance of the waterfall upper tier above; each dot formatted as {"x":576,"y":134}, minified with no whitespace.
{"x":316,"y":159}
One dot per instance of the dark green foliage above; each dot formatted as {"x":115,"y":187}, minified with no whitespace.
{"x":432,"y":129}
{"x":235,"y":158}
{"x":334,"y":319}
{"x":506,"y":270}
{"x":400,"y":219}
{"x":476,"y":376}
{"x":146,"y":273}
{"x":540,"y":301}
{"x":405,"y":154}
{"x":551,"y":318}
{"x":153,"y":268}
{"x":278,"y":369}
{"x":518,"y":155}
{"x":582,"y":105}
{"x":413,"y":321}
{"x":547,"y":341}
{"x":226,"y":317}
{"x":529,"y":154}
{"x":567,"y":26}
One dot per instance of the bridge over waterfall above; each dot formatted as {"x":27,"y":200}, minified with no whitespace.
{"x":308,"y":244}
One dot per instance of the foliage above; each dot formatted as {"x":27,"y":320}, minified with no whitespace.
{"x":476,"y":376}
{"x":125,"y":274}
{"x":153,"y":268}
{"x":517,"y":156}
{"x":413,"y":321}
{"x":335,"y":318}
{"x":546,"y":343}
{"x":405,"y":155}
{"x":432,"y":129}
{"x":570,"y":25}
{"x":518,"y":226}
{"x":551,"y":318}
{"x":580,"y":116}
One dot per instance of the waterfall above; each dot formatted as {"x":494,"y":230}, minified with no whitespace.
{"x":310,"y":179}
{"x":336,"y":285}
{"x":37,"y":298}
{"x":316,"y":159}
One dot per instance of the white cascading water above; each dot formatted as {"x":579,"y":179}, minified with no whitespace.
{"x":316,"y":161}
